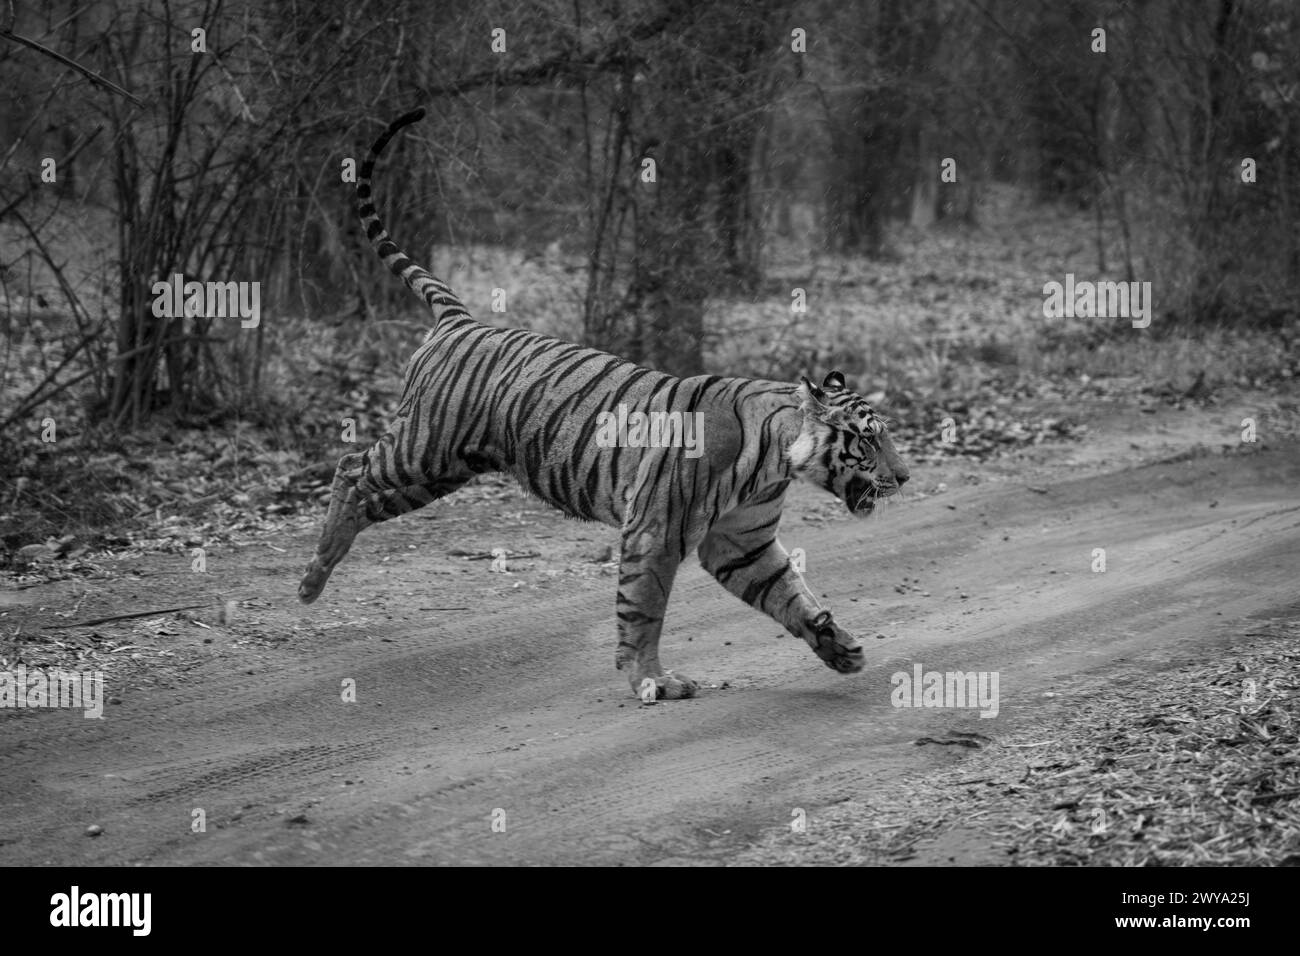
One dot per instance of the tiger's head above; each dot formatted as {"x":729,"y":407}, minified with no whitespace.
{"x":844,"y":446}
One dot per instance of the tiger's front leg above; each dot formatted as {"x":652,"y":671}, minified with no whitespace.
{"x":742,"y":552}
{"x":645,"y":578}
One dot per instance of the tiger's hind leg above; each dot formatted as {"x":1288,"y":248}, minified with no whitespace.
{"x":363,"y":495}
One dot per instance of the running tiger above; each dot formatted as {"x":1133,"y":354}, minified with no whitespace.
{"x":478,"y":398}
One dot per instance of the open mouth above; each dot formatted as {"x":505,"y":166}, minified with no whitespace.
{"x":860,"y":498}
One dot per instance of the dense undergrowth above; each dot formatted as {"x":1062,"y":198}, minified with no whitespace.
{"x":947,"y":329}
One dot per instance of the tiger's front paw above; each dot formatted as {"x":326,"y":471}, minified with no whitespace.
{"x":664,"y":687}
{"x":839,"y":649}
{"x":313,"y":582}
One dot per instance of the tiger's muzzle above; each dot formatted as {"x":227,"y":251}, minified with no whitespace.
{"x":861,"y":493}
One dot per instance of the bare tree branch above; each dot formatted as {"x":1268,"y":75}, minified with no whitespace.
{"x":94,"y":77}
{"x":566,"y":64}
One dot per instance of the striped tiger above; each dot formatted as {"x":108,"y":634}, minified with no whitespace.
{"x":562,"y":420}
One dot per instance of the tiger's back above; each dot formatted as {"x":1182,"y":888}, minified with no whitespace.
{"x":538,"y":408}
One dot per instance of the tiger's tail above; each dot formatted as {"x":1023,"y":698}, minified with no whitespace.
{"x":435,"y":293}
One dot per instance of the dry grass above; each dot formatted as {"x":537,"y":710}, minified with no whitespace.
{"x":952,"y":307}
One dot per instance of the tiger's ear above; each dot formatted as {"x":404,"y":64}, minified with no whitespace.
{"x":834,"y":380}
{"x":814,"y":404}
{"x":812,"y":391}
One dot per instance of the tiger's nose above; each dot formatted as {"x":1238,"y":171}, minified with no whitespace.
{"x":901,"y":478}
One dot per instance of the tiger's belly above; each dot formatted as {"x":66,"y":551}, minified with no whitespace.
{"x":591,"y":487}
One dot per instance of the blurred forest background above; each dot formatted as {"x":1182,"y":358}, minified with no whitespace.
{"x":797,"y":145}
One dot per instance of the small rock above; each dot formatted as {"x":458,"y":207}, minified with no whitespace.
{"x":94,"y":830}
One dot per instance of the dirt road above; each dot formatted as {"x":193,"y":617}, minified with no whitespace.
{"x":511,"y":713}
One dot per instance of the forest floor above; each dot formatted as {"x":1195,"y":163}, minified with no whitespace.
{"x":1145,"y":714}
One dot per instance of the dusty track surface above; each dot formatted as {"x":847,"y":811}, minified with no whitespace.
{"x":514,"y":706}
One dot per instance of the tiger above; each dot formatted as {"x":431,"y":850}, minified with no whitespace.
{"x":477,"y":398}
